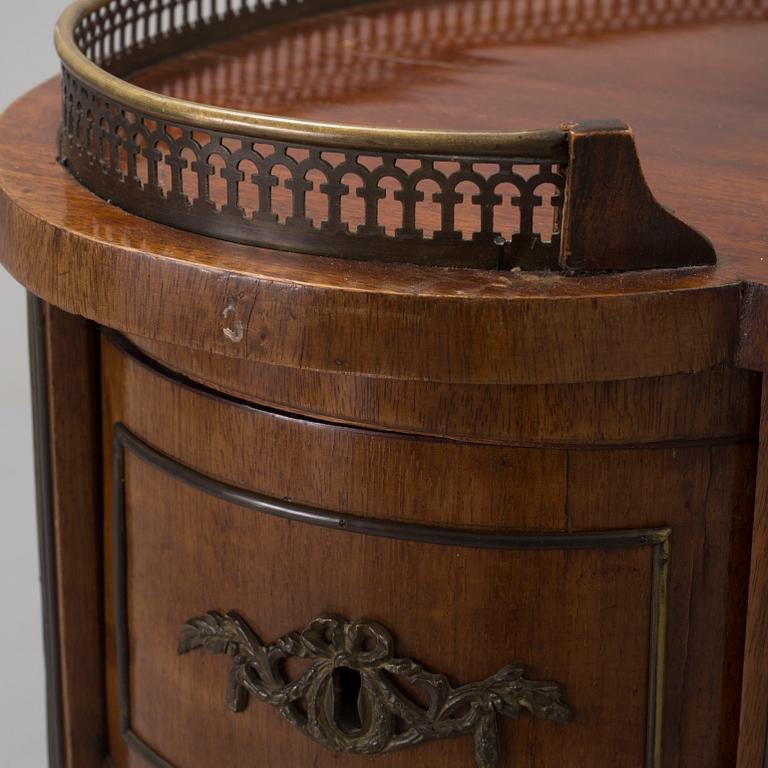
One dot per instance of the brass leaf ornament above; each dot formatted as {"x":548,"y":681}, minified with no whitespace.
{"x":347,"y":700}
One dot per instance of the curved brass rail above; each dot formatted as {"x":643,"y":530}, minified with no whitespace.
{"x":95,"y":72}
{"x":290,"y":183}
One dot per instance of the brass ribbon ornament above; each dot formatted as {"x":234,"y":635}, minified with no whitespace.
{"x":347,"y":700}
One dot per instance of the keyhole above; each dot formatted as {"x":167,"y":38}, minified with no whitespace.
{"x":346,"y":687}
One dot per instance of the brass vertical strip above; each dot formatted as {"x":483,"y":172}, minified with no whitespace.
{"x":658,"y":634}
{"x":119,"y":566}
{"x":36,"y":314}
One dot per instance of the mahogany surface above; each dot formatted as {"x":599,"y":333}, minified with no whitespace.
{"x":375,"y":64}
{"x":721,"y":401}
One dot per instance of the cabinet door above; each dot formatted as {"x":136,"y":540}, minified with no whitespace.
{"x":452,"y":604}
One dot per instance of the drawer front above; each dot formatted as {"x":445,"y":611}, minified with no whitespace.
{"x":551,"y":637}
{"x":583,"y":610}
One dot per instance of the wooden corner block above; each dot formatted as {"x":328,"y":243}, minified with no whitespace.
{"x":611,"y":220}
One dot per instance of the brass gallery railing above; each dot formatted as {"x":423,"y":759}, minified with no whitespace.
{"x":571,"y":199}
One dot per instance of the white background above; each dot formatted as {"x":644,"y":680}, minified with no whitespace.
{"x":27,"y":57}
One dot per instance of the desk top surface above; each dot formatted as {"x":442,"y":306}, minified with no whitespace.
{"x":487,"y":65}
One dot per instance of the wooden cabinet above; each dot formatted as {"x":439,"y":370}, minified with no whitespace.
{"x":398,"y":490}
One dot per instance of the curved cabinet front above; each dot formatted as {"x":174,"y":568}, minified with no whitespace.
{"x":285,"y":592}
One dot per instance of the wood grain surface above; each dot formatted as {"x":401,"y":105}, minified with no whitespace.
{"x":722,"y":402}
{"x":483,"y":400}
{"x":69,"y":388}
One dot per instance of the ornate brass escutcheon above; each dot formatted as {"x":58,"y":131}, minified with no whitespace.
{"x":347,"y":699}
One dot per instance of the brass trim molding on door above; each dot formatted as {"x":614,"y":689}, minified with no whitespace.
{"x":658,"y":539}
{"x":351,"y":703}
